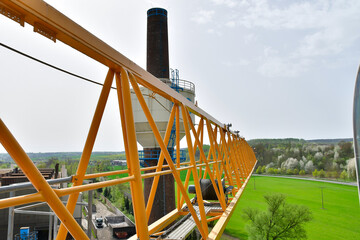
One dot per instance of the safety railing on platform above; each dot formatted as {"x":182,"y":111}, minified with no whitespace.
{"x":179,"y":84}
{"x":230,"y":159}
{"x":154,"y":154}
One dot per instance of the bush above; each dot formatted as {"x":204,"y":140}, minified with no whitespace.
{"x":334,"y":174}
{"x":270,"y":171}
{"x":276,"y":171}
{"x":302,"y":172}
{"x":328,"y":174}
{"x":283,"y":171}
{"x":258,"y":170}
{"x":263,"y":169}
{"x":344,"y":175}
{"x":296,"y":171}
{"x":315,"y":173}
{"x":289,"y":172}
{"x":321,"y":173}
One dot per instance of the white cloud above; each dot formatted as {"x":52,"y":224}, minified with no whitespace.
{"x":229,"y":3}
{"x":238,"y":63}
{"x":323,"y":28}
{"x":230,"y":24}
{"x":301,"y":15}
{"x":249,"y":38}
{"x":340,"y":31}
{"x":328,"y":41}
{"x":283,"y":67}
{"x":203,"y":16}
{"x":213,"y":31}
{"x":274,"y":65}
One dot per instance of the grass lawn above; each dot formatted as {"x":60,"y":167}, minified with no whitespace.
{"x":339,"y":220}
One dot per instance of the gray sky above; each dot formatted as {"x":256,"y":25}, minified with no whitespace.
{"x":273,"y":69}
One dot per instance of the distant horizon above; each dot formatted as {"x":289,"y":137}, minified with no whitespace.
{"x":120,"y":151}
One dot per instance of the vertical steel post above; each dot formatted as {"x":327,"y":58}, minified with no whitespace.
{"x":55,"y":226}
{"x":90,"y":198}
{"x":50,"y":224}
{"x":132,"y":158}
{"x":10,"y":233}
{"x":177,"y":115}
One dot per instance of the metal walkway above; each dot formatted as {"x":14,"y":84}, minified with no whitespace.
{"x":186,"y":225}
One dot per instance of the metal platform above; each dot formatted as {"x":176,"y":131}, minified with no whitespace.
{"x":186,"y":225}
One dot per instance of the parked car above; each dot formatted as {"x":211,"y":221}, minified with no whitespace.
{"x":99,"y":222}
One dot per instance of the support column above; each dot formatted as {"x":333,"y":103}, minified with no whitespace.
{"x":55,"y":226}
{"x":10,"y":234}
{"x":50,"y":224}
{"x":90,"y":196}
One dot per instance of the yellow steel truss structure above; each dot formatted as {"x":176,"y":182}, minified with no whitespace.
{"x":230,"y":157}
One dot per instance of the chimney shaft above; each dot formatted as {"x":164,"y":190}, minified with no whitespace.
{"x":157,"y":60}
{"x":157,"y":63}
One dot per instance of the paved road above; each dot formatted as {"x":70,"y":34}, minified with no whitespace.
{"x":102,"y":211}
{"x":310,"y":179}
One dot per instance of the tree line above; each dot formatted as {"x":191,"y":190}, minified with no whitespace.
{"x":327,"y":159}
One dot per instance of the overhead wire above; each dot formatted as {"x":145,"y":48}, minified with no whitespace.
{"x":50,"y":65}
{"x":70,"y":73}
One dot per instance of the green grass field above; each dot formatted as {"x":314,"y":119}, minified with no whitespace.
{"x":339,"y":220}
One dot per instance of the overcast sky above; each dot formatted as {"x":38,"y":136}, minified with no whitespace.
{"x":274,"y":69}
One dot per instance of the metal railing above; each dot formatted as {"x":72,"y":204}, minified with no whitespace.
{"x":154,"y":154}
{"x":179,"y":84}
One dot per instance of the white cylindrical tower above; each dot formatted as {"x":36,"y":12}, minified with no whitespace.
{"x":160,"y":108}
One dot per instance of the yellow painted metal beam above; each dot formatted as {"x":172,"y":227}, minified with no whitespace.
{"x":89,"y":144}
{"x":20,"y":200}
{"x":33,"y":174}
{"x":159,"y":165}
{"x":132,"y":156}
{"x":72,"y":34}
{"x":232,"y":153}
{"x":165,"y":151}
{"x":219,"y":228}
{"x":195,"y":174}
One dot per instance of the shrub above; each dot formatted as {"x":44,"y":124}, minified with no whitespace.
{"x":276,"y":171}
{"x":344,"y":175}
{"x":296,"y":171}
{"x":321,"y":173}
{"x":315,"y":173}
{"x":334,"y":174}
{"x":258,"y":170}
{"x":289,"y":172}
{"x":270,"y":171}
{"x":302,"y":172}
{"x":263,"y":169}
